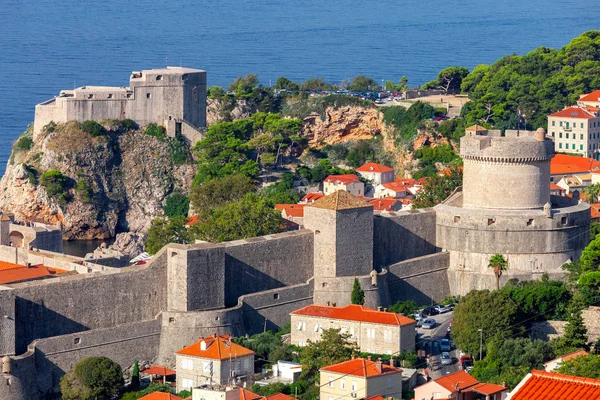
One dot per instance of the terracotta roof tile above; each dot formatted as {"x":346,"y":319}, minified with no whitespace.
{"x":554,"y":186}
{"x":585,"y":112}
{"x":563,"y":164}
{"x":476,"y":128}
{"x":160,"y":396}
{"x":248,"y":395}
{"x":340,"y":200}
{"x":577,"y":353}
{"x":291,"y":210}
{"x":279,"y":396}
{"x":311,"y":197}
{"x":456,"y":380}
{"x":192,"y":220}
{"x":594,"y":96}
{"x":487,"y":389}
{"x":376,"y":397}
{"x":13,"y":273}
{"x":361,"y":367}
{"x":374,"y":167}
{"x":342,"y":179}
{"x":541,"y":385}
{"x":158,"y":370}
{"x":217,"y":348}
{"x":385,"y":204}
{"x":353,"y":312}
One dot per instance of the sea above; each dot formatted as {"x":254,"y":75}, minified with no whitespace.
{"x":49,"y":45}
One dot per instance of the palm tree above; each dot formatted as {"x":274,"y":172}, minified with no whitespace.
{"x":499,"y":264}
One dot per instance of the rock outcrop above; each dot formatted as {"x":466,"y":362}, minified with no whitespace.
{"x":115,"y":182}
{"x":129,"y":243}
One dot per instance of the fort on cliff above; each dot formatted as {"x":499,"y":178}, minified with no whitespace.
{"x":189,"y":291}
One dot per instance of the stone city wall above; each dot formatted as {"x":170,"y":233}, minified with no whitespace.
{"x":403,"y":235}
{"x":338,"y":290}
{"x":21,"y":256}
{"x":422,"y":279}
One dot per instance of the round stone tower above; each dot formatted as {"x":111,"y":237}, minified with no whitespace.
{"x":506,"y":172}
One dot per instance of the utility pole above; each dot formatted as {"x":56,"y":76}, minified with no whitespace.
{"x":480,"y":342}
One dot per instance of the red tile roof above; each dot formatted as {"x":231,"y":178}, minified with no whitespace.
{"x":376,"y":397}
{"x":13,"y":273}
{"x":487,"y":389}
{"x":541,"y":385}
{"x":311,"y":196}
{"x":361,"y":367}
{"x":292,"y":210}
{"x":457,"y":380}
{"x":160,"y":396}
{"x":594,"y":96}
{"x":217,"y":348}
{"x":279,"y":396}
{"x":342,"y":179}
{"x":574,"y":354}
{"x":355,"y":312}
{"x":158,"y":370}
{"x":248,"y":395}
{"x":385,"y":204}
{"x":554,"y":187}
{"x":374,"y":167}
{"x":396,"y":187}
{"x":563,"y":164}
{"x":586,"y":112}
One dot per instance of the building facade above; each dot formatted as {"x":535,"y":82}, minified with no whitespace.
{"x":360,"y":378}
{"x":376,"y":173}
{"x":576,"y":129}
{"x":349,"y":183}
{"x":215,"y":360}
{"x":173,"y":97}
{"x":373,"y":331}
{"x":460,"y":386}
{"x":590,"y":99}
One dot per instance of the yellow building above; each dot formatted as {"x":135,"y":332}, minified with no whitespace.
{"x":576,"y":129}
{"x":360,"y":378}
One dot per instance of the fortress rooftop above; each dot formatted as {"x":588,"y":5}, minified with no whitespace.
{"x":340,"y":200}
{"x":513,"y":146}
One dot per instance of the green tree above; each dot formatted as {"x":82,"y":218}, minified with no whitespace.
{"x":332,"y":348}
{"x":282,"y":192}
{"x":84,"y":190}
{"x":584,"y":366}
{"x":156,"y":131}
{"x":358,"y":295}
{"x":164,"y":231}
{"x":243,"y":86}
{"x":407,"y":307}
{"x":56,"y":184}
{"x":498,"y":264}
{"x":176,"y":205}
{"x":315,"y":84}
{"x":250,"y":217}
{"x":539,"y":299}
{"x":493,"y":312}
{"x":361,"y":83}
{"x":94,"y":378}
{"x":437,"y":188}
{"x":135,"y":376}
{"x":284,"y":83}
{"x":261,"y":343}
{"x":207,"y":196}
{"x":590,"y":256}
{"x":575,"y":337}
{"x":449,"y":79}
{"x":589,"y":288}
{"x":93,"y":128}
{"x":591,"y":193}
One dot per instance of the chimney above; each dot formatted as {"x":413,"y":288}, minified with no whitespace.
{"x":203,"y":345}
{"x":385,"y":310}
{"x":327,"y":303}
{"x":379,"y":308}
{"x":378,"y":364}
{"x":503,"y":384}
{"x":392,"y":362}
{"x":28,"y":265}
{"x":353,"y":355}
{"x":369,"y":358}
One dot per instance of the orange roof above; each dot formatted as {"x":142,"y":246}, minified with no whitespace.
{"x":376,"y":397}
{"x":456,"y":381}
{"x":586,"y":112}
{"x":292,"y":210}
{"x":476,"y":128}
{"x":488,"y":389}
{"x":248,"y":395}
{"x":160,"y":396}
{"x":342,"y":179}
{"x":12,"y":273}
{"x":217,"y":348}
{"x":594,"y":96}
{"x":554,"y":186}
{"x":385,"y":204}
{"x":374,"y":167}
{"x":158,"y":370}
{"x":542,"y":385}
{"x":562,"y":164}
{"x":396,"y":186}
{"x":361,"y":367}
{"x":311,"y":196}
{"x":574,"y":354}
{"x":354,"y":312}
{"x":279,"y":396}
{"x":192,"y":220}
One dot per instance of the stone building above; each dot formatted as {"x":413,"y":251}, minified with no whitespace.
{"x":373,"y":331}
{"x":505,"y":207}
{"x":460,"y":386}
{"x":376,"y":173}
{"x":173,"y":97}
{"x":360,"y":378}
{"x":576,"y":129}
{"x":590,"y":99}
{"x":349,"y":183}
{"x":29,"y":234}
{"x":214,"y":360}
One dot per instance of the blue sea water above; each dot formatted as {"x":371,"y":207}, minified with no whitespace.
{"x":49,"y":45}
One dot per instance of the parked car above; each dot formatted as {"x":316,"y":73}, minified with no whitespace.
{"x":445,"y":345}
{"x":420,"y":322}
{"x":441,"y":309}
{"x":418,"y":316}
{"x":466,"y":363}
{"x":430,"y":311}
{"x":446,"y":359}
{"x":451,"y":306}
{"x":429,"y":323}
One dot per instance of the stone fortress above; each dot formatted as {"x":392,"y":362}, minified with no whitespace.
{"x":150,"y":311}
{"x":173,"y":97}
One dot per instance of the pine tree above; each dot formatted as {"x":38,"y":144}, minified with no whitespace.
{"x":575,"y":336}
{"x":358,"y":295}
{"x":135,"y":376}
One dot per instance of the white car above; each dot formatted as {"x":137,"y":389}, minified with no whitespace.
{"x":441,"y":309}
{"x":418,"y":316}
{"x":446,"y":359}
{"x":429,"y":323}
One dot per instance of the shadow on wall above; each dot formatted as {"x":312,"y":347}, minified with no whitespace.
{"x":35,"y":321}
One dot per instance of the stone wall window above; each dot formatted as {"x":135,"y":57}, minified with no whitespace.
{"x":491,"y":221}
{"x":530,"y":222}
{"x":77,"y":340}
{"x":110,"y":95}
{"x":276,"y":296}
{"x":159,"y":77}
{"x":564,"y":220}
{"x":171,"y":319}
{"x":90,"y":96}
{"x":456,"y":219}
{"x":148,"y":95}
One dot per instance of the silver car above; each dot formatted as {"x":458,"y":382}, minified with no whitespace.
{"x":446,"y":359}
{"x":429,"y":323}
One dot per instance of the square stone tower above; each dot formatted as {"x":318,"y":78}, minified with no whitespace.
{"x":343,"y":244}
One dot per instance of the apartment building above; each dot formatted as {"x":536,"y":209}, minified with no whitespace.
{"x":374,"y":331}
{"x":348,"y":182}
{"x":376,"y":173}
{"x":590,"y":99}
{"x":576,"y":129}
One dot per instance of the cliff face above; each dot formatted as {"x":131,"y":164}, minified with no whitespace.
{"x":129,"y":175}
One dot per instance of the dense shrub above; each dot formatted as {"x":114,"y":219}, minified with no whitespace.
{"x":24,"y":143}
{"x":84,"y":190}
{"x":176,"y":205}
{"x":56,"y":184}
{"x":93,"y":128}
{"x":95,"y":378}
{"x":157,"y":131}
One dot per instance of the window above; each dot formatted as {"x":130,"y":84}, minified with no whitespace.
{"x":390,"y":382}
{"x":491,"y":221}
{"x":553,"y":123}
{"x":573,"y":146}
{"x":563,"y":220}
{"x":77,"y":340}
{"x":552,"y":134}
{"x":247,"y":364}
{"x":387,"y":336}
{"x":371,"y":333}
{"x":331,"y":384}
{"x":171,"y":319}
{"x":187,"y":383}
{"x":110,"y":96}
{"x":456,"y":219}
{"x":560,"y":123}
{"x":582,"y":124}
{"x":343,"y":384}
{"x":560,"y":135}
{"x":580,"y":147}
{"x":90,"y":96}
{"x":567,"y":125}
{"x":148,"y":95}
{"x":567,"y":135}
{"x":529,"y":222}
{"x":580,"y":137}
{"x":353,"y":386}
{"x":186,"y":363}
{"x":560,"y":145}
{"x":159,"y":77}
{"x":276,"y":296}
{"x":300,"y":325}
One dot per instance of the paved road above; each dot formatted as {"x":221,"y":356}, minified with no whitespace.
{"x":432,"y":338}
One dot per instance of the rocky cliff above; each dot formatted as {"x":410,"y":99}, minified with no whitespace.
{"x":115,"y":182}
